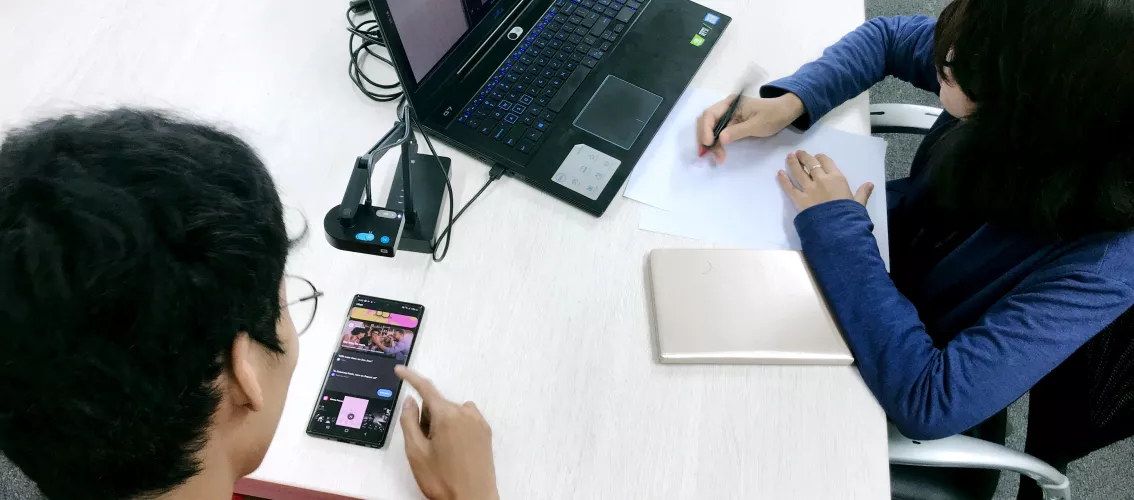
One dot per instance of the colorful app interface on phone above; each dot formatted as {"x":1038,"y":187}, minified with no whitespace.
{"x":361,"y":389}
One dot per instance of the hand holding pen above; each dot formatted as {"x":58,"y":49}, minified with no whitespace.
{"x":737,"y":117}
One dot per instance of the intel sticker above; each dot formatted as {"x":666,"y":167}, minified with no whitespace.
{"x":712,"y":18}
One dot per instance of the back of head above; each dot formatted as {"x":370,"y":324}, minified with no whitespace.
{"x":133,"y":249}
{"x":1049,"y":146}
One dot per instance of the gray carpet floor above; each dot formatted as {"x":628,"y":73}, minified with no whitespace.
{"x":1107,"y":474}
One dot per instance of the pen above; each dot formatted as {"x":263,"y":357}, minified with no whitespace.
{"x":722,"y":124}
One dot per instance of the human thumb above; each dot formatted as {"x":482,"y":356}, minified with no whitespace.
{"x":411,"y":428}
{"x":863,"y":193}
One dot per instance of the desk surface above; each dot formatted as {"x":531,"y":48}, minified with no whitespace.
{"x":539,"y":314}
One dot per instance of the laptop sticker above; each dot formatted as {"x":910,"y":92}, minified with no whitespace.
{"x":586,"y":171}
{"x":697,"y":41}
{"x":712,"y":18}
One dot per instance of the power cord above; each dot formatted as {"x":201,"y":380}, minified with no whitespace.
{"x":367,"y":35}
{"x":493,"y":174}
{"x":370,"y":35}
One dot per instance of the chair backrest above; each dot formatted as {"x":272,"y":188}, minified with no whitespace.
{"x":1087,"y":402}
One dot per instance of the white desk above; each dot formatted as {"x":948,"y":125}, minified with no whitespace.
{"x":539,"y":313}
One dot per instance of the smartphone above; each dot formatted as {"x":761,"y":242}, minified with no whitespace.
{"x":360,"y":390}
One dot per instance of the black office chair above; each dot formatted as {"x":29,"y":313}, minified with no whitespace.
{"x":1085,"y":404}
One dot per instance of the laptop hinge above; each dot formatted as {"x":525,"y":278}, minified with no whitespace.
{"x":491,"y":40}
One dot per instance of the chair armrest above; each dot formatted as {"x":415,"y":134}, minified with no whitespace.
{"x":902,"y":118}
{"x":971,"y":453}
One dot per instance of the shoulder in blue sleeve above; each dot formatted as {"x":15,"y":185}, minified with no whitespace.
{"x":885,"y":46}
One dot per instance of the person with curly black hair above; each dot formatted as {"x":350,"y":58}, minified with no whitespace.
{"x":163,"y":242}
{"x":1012,"y":240}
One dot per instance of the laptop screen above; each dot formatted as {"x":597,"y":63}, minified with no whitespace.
{"x":430,"y":28}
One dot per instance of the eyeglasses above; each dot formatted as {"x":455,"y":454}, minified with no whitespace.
{"x":303,"y":301}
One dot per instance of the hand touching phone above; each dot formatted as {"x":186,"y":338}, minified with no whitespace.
{"x":449,"y":445}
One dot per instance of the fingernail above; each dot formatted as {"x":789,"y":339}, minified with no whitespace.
{"x":701,"y":150}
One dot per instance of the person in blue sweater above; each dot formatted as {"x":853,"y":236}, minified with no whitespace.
{"x":1012,"y":240}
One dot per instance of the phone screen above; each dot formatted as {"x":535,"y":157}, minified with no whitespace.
{"x":360,"y":390}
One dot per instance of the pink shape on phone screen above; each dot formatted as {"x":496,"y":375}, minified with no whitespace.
{"x":351,"y":412}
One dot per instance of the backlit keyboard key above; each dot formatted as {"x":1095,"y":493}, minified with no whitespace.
{"x":501,"y":131}
{"x":600,"y":26}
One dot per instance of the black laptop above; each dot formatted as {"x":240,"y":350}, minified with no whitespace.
{"x":564,"y":94}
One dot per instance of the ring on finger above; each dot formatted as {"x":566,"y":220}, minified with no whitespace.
{"x":807,"y":170}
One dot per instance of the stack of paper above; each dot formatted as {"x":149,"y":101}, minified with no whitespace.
{"x":740,"y":203}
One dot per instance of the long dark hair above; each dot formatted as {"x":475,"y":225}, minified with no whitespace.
{"x":1050,"y":146}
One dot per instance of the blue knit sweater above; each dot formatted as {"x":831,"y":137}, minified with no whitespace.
{"x":964,"y":325}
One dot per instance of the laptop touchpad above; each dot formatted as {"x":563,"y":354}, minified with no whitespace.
{"x":618,"y":112}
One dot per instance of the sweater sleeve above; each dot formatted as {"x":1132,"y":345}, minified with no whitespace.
{"x":931,"y":393}
{"x":898,"y":46}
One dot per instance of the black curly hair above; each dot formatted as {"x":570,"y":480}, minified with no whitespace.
{"x":163,"y":238}
{"x":1049,"y":147}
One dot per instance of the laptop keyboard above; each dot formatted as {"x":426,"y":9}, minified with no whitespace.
{"x":522,"y":99}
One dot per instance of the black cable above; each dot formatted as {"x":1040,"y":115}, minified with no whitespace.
{"x":367,"y":34}
{"x":446,"y":234}
{"x":448,"y":186}
{"x":493,"y":175}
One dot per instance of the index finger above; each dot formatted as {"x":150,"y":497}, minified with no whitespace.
{"x":709,"y":119}
{"x":429,"y":393}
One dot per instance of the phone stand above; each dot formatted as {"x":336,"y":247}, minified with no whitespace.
{"x":418,"y":190}
{"x":415,"y":198}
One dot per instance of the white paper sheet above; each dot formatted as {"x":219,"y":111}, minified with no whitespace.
{"x":740,"y":202}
